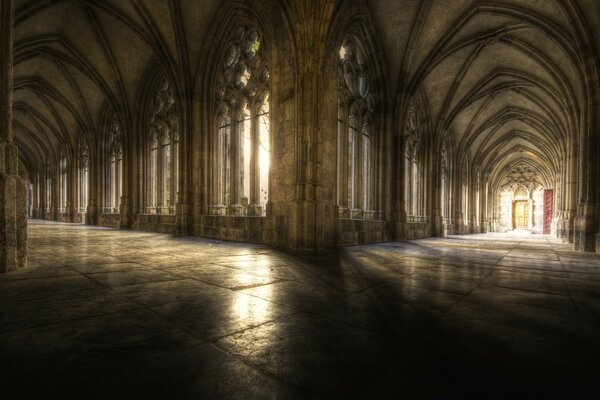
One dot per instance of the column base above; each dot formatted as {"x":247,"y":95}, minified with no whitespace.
{"x":584,"y":232}
{"x":437,"y":226}
{"x":183,"y":219}
{"x":254,"y":211}
{"x":236,"y":210}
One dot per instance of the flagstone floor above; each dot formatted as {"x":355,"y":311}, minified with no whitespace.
{"x":103,"y":313}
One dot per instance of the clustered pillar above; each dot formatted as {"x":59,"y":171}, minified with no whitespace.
{"x":13,"y":204}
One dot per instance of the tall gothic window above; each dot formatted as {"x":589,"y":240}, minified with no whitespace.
{"x":355,"y":128}
{"x":114,"y":167}
{"x":63,"y":186}
{"x":477,"y":185}
{"x":413,"y":179}
{"x":49,"y":183}
{"x":84,"y":172}
{"x":242,"y":92}
{"x":445,"y":180}
{"x":163,"y":149}
{"x":465,"y":191}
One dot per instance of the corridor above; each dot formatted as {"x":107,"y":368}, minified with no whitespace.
{"x":105,"y":313}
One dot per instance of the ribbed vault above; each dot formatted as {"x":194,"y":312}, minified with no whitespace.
{"x":510,"y":80}
{"x":73,"y":56}
{"x":496,"y":84}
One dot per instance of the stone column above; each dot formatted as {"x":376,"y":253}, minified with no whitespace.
{"x":530,"y":211}
{"x":343,"y":211}
{"x":254,"y":208}
{"x":94,"y":167}
{"x":237,"y":149}
{"x":35,"y":213}
{"x":13,"y":190}
{"x":358,"y":205}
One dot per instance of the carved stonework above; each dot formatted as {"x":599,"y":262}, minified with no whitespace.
{"x":355,"y":84}
{"x":244,"y":77}
{"x":115,"y":135}
{"x":356,"y":103}
{"x":444,"y":159}
{"x":163,"y":118}
{"x":521,"y":175}
{"x":84,"y":158}
{"x":412,"y":134}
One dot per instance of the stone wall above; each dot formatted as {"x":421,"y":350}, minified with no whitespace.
{"x":109,"y":220}
{"x":357,"y":231}
{"x":418,"y":230}
{"x":155,"y":223}
{"x":243,"y":229}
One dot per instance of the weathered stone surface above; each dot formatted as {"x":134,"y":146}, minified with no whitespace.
{"x":386,"y":119}
{"x":118,"y":313}
{"x":13,"y":223}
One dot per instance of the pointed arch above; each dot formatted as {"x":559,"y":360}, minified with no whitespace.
{"x":160,"y":126}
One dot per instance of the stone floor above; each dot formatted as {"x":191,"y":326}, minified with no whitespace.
{"x":102,"y":313}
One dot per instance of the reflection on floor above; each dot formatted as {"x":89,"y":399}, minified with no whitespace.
{"x":120,"y":314}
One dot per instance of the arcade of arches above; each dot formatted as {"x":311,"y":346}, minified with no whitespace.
{"x":168,"y":168}
{"x":303,"y":125}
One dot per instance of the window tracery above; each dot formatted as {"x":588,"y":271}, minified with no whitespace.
{"x":242,"y":95}
{"x":522,"y":175}
{"x":163,"y":125}
{"x":49,"y":191}
{"x":465,"y":190}
{"x":413,"y":165}
{"x":84,"y":167}
{"x":114,"y":173}
{"x":355,"y":131}
{"x":445,"y":178}
{"x":63,"y":187}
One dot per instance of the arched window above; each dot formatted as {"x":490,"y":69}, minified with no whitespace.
{"x":243,"y":125}
{"x":355,"y":129}
{"x":152,"y":200}
{"x":84,"y":173}
{"x":413,"y":154}
{"x":465,"y":191}
{"x":477,"y":187}
{"x":163,"y":149}
{"x":114,"y":167}
{"x":445,"y":180}
{"x":49,"y":183}
{"x":63,"y":186}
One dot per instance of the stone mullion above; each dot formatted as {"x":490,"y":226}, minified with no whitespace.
{"x":343,"y":165}
{"x":358,"y":203}
{"x":234,"y":172}
{"x":409,"y":186}
{"x":55,"y":191}
{"x":147,"y":178}
{"x":34,"y":197}
{"x":254,"y":195}
{"x":217,"y":164}
{"x":159,"y":177}
{"x":71,"y":188}
{"x":174,"y":160}
{"x":94,"y":170}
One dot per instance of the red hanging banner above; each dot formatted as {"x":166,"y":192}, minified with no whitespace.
{"x":548,"y":206}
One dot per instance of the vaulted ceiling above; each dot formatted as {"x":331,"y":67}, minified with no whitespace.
{"x":73,"y":55}
{"x":508,"y":79}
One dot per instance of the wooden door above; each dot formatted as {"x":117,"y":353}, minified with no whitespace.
{"x":521,"y":214}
